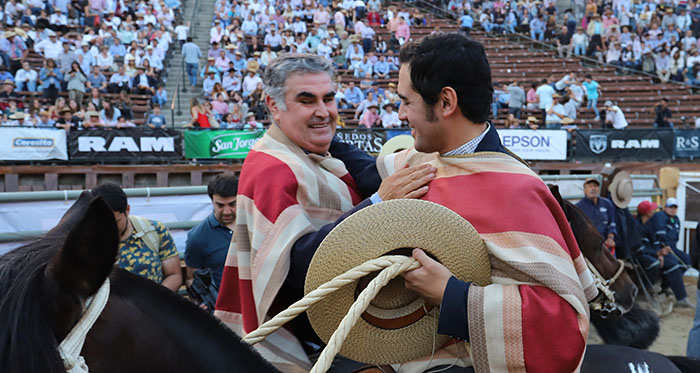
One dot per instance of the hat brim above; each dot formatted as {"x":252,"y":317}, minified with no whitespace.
{"x":396,"y":143}
{"x":621,"y":189}
{"x":392,"y":228}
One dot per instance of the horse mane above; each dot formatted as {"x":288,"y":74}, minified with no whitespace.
{"x":26,"y":328}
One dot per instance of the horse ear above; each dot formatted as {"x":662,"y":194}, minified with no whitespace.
{"x":89,"y":251}
{"x":555,"y":192}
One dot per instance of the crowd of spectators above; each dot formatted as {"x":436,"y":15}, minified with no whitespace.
{"x":656,"y":37}
{"x":558,"y":99}
{"x":246,"y":36}
{"x":78,"y":64}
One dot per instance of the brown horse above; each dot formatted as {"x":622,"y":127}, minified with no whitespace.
{"x":591,"y":244}
{"x":143,"y":328}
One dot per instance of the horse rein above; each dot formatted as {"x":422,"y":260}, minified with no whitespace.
{"x":72,"y":344}
{"x":605,"y":301}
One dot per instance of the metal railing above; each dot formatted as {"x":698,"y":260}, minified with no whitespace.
{"x":638,"y":192}
{"x":172,"y":104}
{"x":68,"y":195}
{"x":29,"y":235}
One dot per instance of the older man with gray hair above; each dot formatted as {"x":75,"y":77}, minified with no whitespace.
{"x":291,"y":193}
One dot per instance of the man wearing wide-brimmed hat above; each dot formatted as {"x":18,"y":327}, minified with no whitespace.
{"x":292,"y":192}
{"x":618,"y":187}
{"x":390,"y":118}
{"x":534,"y":315}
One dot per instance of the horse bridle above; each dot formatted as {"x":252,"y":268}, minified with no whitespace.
{"x":604,"y":303}
{"x":69,"y":349}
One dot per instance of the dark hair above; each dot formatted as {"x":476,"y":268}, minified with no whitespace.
{"x":109,"y":112}
{"x":589,"y":76}
{"x":223,"y":185}
{"x":113,"y":195}
{"x":664,"y":100}
{"x":442,"y":60}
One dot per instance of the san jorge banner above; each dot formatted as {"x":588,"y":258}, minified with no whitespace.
{"x":220,"y":144}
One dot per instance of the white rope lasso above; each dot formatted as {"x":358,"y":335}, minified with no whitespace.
{"x":72,"y":344}
{"x":390,"y":266}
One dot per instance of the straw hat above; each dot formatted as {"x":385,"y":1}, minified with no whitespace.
{"x":567,"y":120}
{"x":532,"y":119}
{"x":395,"y":327}
{"x":396,"y":143}
{"x":621,"y":189}
{"x":253,"y":66}
{"x":89,"y":114}
{"x":18,"y":115}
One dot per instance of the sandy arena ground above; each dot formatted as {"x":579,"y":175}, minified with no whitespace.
{"x":673,"y":336}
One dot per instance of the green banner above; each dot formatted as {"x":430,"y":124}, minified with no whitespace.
{"x":220,"y":144}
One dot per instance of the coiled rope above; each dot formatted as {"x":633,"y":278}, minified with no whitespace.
{"x":390,"y":267}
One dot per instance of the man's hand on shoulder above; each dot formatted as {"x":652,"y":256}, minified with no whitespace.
{"x":411,"y":182}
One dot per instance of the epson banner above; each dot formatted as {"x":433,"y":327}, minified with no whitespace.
{"x":535,"y":145}
{"x":148,"y":145}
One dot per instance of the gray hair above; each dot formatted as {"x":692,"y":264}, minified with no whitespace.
{"x":287,"y":64}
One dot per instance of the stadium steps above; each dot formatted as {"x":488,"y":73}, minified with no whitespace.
{"x":199,"y":31}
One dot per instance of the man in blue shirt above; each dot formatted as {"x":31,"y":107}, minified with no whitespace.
{"x":466,"y":22}
{"x":381,"y":68}
{"x":191,"y":55}
{"x":671,"y":268}
{"x":537,"y":27}
{"x":208,"y":242}
{"x":666,"y":227}
{"x":353,"y":95}
{"x":600,"y":210}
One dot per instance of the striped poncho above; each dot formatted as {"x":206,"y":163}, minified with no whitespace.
{"x":283,"y":194}
{"x":534,"y":315}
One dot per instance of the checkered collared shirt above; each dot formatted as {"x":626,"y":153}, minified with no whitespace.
{"x":470,"y":146}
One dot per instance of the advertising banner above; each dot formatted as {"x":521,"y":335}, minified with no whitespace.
{"x":686,"y":143}
{"x":220,"y":144}
{"x":133,"y":144}
{"x":31,"y":144}
{"x":369,"y":140}
{"x":638,"y":144}
{"x":535,"y":145}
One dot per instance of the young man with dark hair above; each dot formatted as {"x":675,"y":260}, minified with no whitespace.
{"x":208,"y":242}
{"x":146,"y":248}
{"x":534,"y":315}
